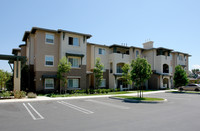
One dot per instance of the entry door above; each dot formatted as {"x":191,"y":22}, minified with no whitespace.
{"x":119,"y":82}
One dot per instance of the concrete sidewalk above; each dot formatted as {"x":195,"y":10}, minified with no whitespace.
{"x":44,"y":98}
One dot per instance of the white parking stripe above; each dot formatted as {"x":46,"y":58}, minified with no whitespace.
{"x":29,"y":111}
{"x":108,"y":104}
{"x":75,"y":107}
{"x":41,"y":117}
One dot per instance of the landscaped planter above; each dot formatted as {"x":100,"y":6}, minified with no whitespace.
{"x":138,"y":101}
{"x":9,"y":97}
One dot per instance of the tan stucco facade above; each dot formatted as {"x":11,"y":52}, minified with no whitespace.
{"x":162,"y":60}
{"x":17,"y":75}
{"x":159,"y":59}
{"x":36,"y":49}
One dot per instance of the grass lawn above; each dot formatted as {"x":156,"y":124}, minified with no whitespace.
{"x":84,"y":94}
{"x":144,"y":98}
{"x":149,"y":90}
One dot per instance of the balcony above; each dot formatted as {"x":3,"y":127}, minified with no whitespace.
{"x":163,"y":64}
{"x":118,"y":57}
{"x":163,"y":59}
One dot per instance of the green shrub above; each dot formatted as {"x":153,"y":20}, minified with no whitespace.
{"x":9,"y":84}
{"x":71,"y":91}
{"x":98,"y":91}
{"x":87,"y":91}
{"x":102,"y":91}
{"x":5,"y":94}
{"x":77,"y":91}
{"x":31,"y":95}
{"x":49,"y":95}
{"x":107,"y":90}
{"x":19,"y":94}
{"x":82,"y":91}
{"x":92,"y":91}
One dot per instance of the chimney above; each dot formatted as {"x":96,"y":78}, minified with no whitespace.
{"x":148,"y":45}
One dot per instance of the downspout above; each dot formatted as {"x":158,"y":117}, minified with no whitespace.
{"x":93,"y":68}
{"x":153,"y":61}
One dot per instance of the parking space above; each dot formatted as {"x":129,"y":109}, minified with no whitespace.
{"x":103,"y":114}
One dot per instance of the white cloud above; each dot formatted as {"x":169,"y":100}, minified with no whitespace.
{"x":195,"y":66}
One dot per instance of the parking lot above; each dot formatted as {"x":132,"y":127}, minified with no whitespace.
{"x":179,"y":113}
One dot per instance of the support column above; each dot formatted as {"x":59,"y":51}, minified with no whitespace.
{"x":17,"y":75}
{"x":161,"y":81}
{"x":115,"y":84}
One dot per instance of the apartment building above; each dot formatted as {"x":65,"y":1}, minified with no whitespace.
{"x":44,"y":48}
{"x":162,"y":60}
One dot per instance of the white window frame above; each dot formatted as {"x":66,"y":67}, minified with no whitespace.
{"x":72,"y":63}
{"x":45,"y":82}
{"x":45,"y":60}
{"x":103,"y":83}
{"x":46,"y":42}
{"x":73,"y":81}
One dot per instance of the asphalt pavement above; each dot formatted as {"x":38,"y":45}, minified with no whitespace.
{"x":179,"y":113}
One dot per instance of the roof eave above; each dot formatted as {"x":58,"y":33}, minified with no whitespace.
{"x":87,"y":35}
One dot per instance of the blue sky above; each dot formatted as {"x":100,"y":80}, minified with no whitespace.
{"x":172,"y":24}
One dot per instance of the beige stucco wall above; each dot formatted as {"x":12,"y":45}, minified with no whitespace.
{"x":65,"y":47}
{"x":104,"y":58}
{"x":42,"y":49}
{"x":17,"y":79}
{"x":181,"y":62}
{"x":184,"y":62}
{"x":148,"y":45}
{"x":23,"y":50}
{"x":116,"y":58}
{"x":31,"y":49}
{"x":150,"y":56}
{"x":88,"y":57}
{"x":27,"y":51}
{"x":160,"y":61}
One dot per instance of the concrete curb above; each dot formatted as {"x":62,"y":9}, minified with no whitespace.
{"x":137,"y":101}
{"x":44,"y":98}
{"x":182,"y":93}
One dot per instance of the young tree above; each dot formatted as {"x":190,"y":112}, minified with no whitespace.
{"x":141,"y":71}
{"x":4,"y":77}
{"x":98,"y":72}
{"x":126,"y":76}
{"x":63,"y":68}
{"x":195,"y":72}
{"x":1,"y":78}
{"x":180,"y":77}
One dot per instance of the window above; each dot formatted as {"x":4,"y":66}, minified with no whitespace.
{"x":74,"y":61}
{"x":103,"y":83}
{"x":102,"y":51}
{"x":73,"y":83}
{"x":165,"y":68}
{"x":119,"y":68}
{"x":73,"y":41}
{"x":180,"y":57}
{"x":49,"y":60}
{"x":137,"y":53}
{"x":49,"y":83}
{"x":49,"y":38}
